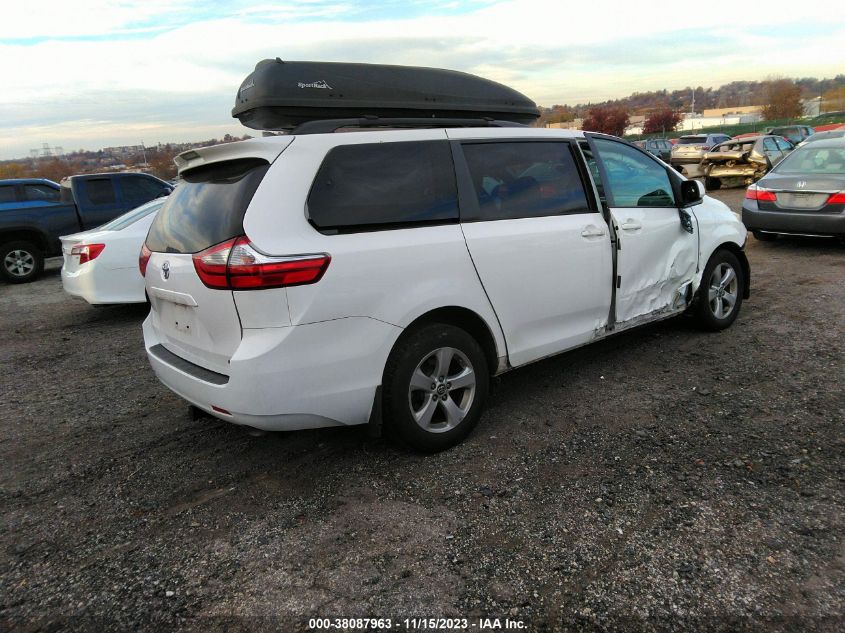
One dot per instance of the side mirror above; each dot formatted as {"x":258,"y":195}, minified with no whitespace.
{"x":692,"y":192}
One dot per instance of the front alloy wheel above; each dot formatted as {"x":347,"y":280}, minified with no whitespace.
{"x":724,"y":285}
{"x":720,"y":294}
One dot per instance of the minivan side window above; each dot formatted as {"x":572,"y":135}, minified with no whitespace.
{"x":634,"y":179}
{"x":373,"y":186}
{"x":525,"y":179}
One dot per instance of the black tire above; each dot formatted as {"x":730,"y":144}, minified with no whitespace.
{"x":417,"y":349}
{"x":706,"y":312}
{"x":765,"y":237}
{"x":21,"y":261}
{"x":712,"y":184}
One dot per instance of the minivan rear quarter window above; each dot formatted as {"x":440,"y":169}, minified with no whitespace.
{"x":207,"y":207}
{"x":384,"y":185}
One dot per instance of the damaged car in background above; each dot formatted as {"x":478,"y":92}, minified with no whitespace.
{"x":742,"y":161}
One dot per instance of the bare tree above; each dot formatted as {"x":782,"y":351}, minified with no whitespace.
{"x":783,"y":100}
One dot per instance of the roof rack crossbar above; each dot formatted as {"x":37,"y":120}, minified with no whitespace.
{"x":324,"y":126}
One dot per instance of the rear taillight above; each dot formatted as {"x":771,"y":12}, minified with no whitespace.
{"x":837,"y":198}
{"x":86,"y":252}
{"x":210,"y":264}
{"x":144,"y":259}
{"x":758,"y":193}
{"x":237,"y":265}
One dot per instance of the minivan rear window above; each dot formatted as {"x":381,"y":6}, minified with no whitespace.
{"x":207,"y":207}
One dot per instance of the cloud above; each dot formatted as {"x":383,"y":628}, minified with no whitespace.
{"x":171,"y":62}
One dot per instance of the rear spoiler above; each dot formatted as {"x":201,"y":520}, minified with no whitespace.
{"x":266,"y":148}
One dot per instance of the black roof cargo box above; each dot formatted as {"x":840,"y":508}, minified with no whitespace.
{"x":280,"y":95}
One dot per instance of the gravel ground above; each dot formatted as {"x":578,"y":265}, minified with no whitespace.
{"x":665,"y":479}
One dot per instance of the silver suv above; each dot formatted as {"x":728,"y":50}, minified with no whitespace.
{"x":690,"y":149}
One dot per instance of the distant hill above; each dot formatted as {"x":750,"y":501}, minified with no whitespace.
{"x":736,"y":93}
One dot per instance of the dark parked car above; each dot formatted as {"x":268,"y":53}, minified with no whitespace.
{"x":793,"y":133}
{"x":820,"y":136}
{"x":743,"y":160}
{"x":660,"y":147}
{"x":35,"y":212}
{"x":804,"y":194}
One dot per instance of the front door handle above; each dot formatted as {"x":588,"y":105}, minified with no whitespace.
{"x":631,"y":225}
{"x":591,"y":230}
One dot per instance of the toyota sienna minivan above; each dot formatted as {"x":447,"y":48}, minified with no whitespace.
{"x":383,"y":277}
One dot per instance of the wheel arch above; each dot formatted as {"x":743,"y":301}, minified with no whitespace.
{"x":739,"y":252}
{"x":23,"y":233}
{"x":469,"y":321}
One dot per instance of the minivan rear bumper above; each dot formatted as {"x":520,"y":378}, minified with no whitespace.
{"x":286,"y":378}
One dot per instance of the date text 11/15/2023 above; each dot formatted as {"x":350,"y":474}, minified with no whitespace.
{"x":416,"y":624}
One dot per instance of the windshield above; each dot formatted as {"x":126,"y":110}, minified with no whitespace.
{"x":813,"y":160}
{"x":122,"y":221}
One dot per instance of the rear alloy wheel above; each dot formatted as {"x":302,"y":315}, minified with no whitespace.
{"x":765,"y":237}
{"x":436,"y":382}
{"x":20,"y":261}
{"x":720,"y":293}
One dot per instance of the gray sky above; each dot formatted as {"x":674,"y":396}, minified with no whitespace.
{"x":93,"y":73}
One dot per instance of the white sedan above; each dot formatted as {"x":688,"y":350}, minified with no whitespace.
{"x":101,"y":265}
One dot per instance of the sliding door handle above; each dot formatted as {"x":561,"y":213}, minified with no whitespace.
{"x":591,"y":230}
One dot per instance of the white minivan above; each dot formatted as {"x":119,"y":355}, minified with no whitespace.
{"x":384,"y":276}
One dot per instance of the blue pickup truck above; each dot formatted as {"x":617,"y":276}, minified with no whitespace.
{"x":35,"y":212}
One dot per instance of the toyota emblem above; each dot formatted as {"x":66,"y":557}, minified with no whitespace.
{"x":165,"y":270}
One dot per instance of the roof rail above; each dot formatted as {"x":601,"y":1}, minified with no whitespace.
{"x":324,"y":126}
